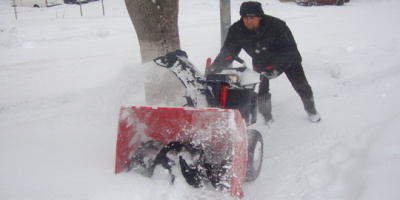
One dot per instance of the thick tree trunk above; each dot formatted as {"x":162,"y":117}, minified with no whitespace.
{"x":156,"y":25}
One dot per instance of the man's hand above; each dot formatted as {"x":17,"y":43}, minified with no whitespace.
{"x":270,"y":72}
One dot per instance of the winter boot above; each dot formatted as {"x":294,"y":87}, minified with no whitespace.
{"x":309,"y":106}
{"x":265,"y":108}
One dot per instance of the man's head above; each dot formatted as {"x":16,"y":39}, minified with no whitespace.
{"x":251,"y":9}
{"x":251,"y":13}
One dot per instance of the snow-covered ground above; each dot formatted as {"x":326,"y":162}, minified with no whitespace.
{"x":63,"y":78}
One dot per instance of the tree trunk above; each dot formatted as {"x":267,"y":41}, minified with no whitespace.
{"x":156,"y":25}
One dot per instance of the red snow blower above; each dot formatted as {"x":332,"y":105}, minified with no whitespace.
{"x":206,"y":138}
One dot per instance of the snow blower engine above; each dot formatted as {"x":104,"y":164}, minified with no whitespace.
{"x":206,"y":138}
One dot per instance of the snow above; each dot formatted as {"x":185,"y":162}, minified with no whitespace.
{"x":63,"y":78}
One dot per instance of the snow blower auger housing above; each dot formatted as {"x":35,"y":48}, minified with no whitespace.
{"x":206,"y":138}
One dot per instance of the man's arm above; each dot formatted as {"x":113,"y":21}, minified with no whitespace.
{"x":287,"y":52}
{"x":230,"y":48}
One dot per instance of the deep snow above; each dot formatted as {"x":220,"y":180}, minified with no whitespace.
{"x":64,"y":77}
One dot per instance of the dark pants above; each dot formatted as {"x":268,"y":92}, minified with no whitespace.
{"x":297,"y":78}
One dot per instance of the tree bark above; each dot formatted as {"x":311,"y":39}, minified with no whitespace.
{"x":156,"y":25}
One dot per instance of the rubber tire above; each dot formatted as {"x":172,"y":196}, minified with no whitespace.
{"x":311,"y":3}
{"x":253,"y":167}
{"x":340,"y":2}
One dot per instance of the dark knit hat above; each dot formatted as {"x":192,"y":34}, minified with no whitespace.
{"x":251,"y":8}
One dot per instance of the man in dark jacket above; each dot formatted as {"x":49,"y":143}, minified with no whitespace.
{"x":273,"y":49}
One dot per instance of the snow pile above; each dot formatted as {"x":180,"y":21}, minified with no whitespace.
{"x":64,"y":77}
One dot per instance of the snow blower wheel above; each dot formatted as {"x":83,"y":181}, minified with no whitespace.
{"x":254,"y":155}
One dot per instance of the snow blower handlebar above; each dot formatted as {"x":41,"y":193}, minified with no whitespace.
{"x":239,"y":60}
{"x":211,"y":70}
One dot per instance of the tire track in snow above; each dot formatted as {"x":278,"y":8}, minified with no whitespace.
{"x":306,"y":168}
{"x":322,"y":141}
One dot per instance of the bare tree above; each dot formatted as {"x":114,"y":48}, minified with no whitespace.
{"x":156,"y":25}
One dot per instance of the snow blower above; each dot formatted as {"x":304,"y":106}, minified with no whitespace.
{"x":206,"y":138}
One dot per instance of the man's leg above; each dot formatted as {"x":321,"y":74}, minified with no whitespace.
{"x":264,"y":100}
{"x":299,"y":82}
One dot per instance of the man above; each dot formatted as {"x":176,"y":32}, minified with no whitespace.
{"x":273,"y":49}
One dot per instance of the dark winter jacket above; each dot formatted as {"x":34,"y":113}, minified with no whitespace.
{"x":272,"y":45}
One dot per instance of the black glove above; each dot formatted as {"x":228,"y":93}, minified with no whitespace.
{"x":241,"y":69}
{"x":270,"y":72}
